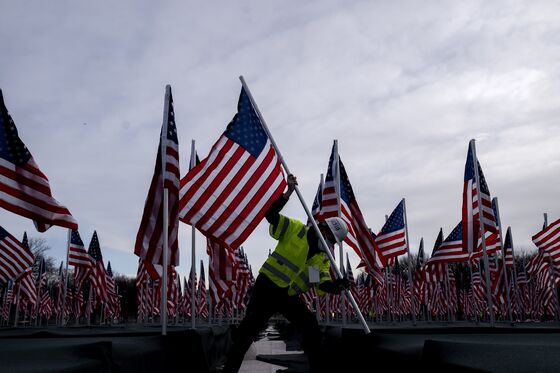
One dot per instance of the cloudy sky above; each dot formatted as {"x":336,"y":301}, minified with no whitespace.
{"x":402,"y":85}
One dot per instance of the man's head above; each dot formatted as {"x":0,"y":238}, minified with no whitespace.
{"x":333,"y":229}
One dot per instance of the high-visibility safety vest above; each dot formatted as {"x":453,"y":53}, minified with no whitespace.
{"x":288,"y":266}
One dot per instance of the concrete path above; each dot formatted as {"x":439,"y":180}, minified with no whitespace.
{"x":264,"y":346}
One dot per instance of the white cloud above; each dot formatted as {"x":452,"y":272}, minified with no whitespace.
{"x":402,"y":85}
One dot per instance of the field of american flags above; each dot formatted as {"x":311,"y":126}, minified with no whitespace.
{"x":472,"y":279}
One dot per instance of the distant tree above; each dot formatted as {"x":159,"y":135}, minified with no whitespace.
{"x":39,"y":247}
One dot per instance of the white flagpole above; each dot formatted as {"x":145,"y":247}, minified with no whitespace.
{"x":412,"y":303}
{"x":317,"y":300}
{"x":506,"y":281}
{"x":193,"y":254}
{"x":17,"y":305}
{"x":62,"y":319}
{"x":482,"y":234}
{"x":163,"y":311}
{"x":340,"y":248}
{"x":304,"y":205}
{"x":514,"y":272}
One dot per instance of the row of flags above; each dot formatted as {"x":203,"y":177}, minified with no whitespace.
{"x":229,"y":279}
{"x":25,"y":190}
{"x":225,"y":197}
{"x":31,"y":294}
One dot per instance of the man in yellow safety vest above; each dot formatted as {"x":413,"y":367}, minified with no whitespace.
{"x":297,"y":263}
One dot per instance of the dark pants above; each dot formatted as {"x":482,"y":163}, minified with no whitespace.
{"x":266,"y":300}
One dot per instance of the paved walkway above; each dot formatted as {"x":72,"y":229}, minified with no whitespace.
{"x":266,"y":347}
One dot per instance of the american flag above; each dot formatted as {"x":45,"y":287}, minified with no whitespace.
{"x":548,"y":240}
{"x":509,"y":259}
{"x":24,"y":189}
{"x":243,"y":279}
{"x":202,"y":303}
{"x":451,"y":249}
{"x":79,"y":258}
{"x":220,"y":271}
{"x":391,"y":240}
{"x":359,"y":236}
{"x":317,"y":201}
{"x":98,"y":276}
{"x":46,"y":305}
{"x":149,"y":239}
{"x":28,"y":286}
{"x":8,"y":298}
{"x":15,"y":258}
{"x":433,"y":270}
{"x":112,"y":293}
{"x":473,"y":201}
{"x":227,"y":194}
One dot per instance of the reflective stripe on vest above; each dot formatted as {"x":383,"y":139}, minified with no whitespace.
{"x":285,"y":261}
{"x":277,"y":273}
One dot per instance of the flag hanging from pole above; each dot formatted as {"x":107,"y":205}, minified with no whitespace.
{"x":391,"y":240}
{"x":548,"y":240}
{"x":509,"y":259}
{"x":98,"y":275}
{"x":227,"y":194}
{"x":79,"y":258}
{"x":451,"y":249}
{"x":15,"y":258}
{"x":359,"y":236}
{"x":24,"y":189}
{"x":473,"y":201}
{"x":149,"y":239}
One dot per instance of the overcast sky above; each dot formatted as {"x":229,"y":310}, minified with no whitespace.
{"x":402,"y":85}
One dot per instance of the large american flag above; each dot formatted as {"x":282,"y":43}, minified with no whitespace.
{"x":149,"y":239}
{"x":473,"y":201}
{"x":79,"y":258}
{"x":359,"y":236}
{"x":391,"y":240}
{"x":98,"y":276}
{"x":24,"y":189}
{"x":548,"y":240}
{"x":227,"y":194}
{"x":15,"y":258}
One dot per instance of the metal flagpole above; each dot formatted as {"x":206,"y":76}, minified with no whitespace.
{"x":412,"y":303}
{"x":448,"y":291}
{"x":499,"y":220}
{"x":17,"y":306}
{"x":389,"y":285}
{"x":338,"y":213}
{"x":304,"y":205}
{"x":482,"y":235}
{"x":514,"y":272}
{"x":317,"y":300}
{"x":163,"y":311}
{"x":38,"y":293}
{"x":62,"y":319}
{"x":193,"y":254}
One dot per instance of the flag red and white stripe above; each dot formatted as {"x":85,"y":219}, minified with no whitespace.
{"x":24,"y":189}
{"x":548,"y":240}
{"x":227,"y":194}
{"x":15,"y":258}
{"x":149,"y":239}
